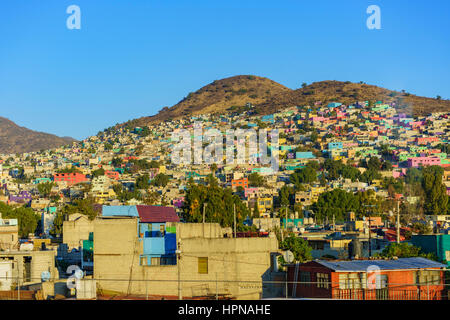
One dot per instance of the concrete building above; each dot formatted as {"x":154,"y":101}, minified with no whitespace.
{"x":209,"y":263}
{"x":76,"y":229}
{"x":9,"y":237}
{"x":27,"y":267}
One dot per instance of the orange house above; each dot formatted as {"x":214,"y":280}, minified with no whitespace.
{"x":240,"y":183}
{"x":70,"y":178}
{"x":400,"y":279}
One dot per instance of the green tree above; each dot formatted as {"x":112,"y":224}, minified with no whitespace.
{"x":97,"y":173}
{"x":45,"y":188}
{"x":26,"y":217}
{"x":142,"y":182}
{"x":256,"y":213}
{"x":404,"y":250}
{"x":303,"y":175}
{"x":336,"y":202}
{"x":299,"y":247}
{"x":160,"y":180}
{"x":436,"y":198}
{"x":255,"y":180}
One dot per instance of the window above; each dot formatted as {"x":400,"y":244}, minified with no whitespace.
{"x":161,"y":230}
{"x":143,"y":261}
{"x":322,"y":280}
{"x":156,"y":261}
{"x":428,"y":277}
{"x":203,"y":265}
{"x":354,"y":280}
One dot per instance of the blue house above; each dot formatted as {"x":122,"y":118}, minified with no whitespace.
{"x":304,"y":155}
{"x":268,"y":118}
{"x":335,"y":145}
{"x":334,"y":105}
{"x":159,"y":240}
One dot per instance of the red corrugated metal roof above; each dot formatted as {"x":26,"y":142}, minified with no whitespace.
{"x":151,"y":214}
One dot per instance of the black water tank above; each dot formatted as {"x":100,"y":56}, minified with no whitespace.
{"x":355,"y":249}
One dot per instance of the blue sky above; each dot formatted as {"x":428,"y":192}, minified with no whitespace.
{"x":131,"y":58}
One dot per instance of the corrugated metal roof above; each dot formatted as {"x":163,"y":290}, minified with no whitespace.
{"x":149,"y":214}
{"x":399,"y":264}
{"x":128,"y":211}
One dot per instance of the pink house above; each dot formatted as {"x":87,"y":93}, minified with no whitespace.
{"x":400,"y":173}
{"x":178,"y":203}
{"x":250,"y":192}
{"x":424,"y":161}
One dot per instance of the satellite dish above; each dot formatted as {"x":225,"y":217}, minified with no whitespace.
{"x":288,"y":256}
{"x":45,"y":276}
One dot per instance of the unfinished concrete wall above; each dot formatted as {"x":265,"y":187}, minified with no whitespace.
{"x":9,"y":237}
{"x":232,"y":262}
{"x":76,"y":229}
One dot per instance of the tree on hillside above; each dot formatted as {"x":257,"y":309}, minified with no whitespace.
{"x":436,"y":198}
{"x":27,"y":219}
{"x":142,"y":182}
{"x":45,"y":188}
{"x":336,"y":202}
{"x":255,"y":180}
{"x":160,"y":180}
{"x":218,"y":204}
{"x":303,"y":175}
{"x":97,"y":173}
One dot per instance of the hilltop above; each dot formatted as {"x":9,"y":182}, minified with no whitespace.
{"x":269,"y":96}
{"x":349,"y":92}
{"x":219,"y":96}
{"x":16,"y":139}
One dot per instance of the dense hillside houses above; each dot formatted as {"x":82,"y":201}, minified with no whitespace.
{"x":355,"y":184}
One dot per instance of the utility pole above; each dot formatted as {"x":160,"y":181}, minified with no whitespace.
{"x":18,"y":285}
{"x":370,"y":229}
{"x":204,"y":206}
{"x":370,"y":239}
{"x":286,"y":217}
{"x":234,"y":216}
{"x":398,"y":221}
{"x":178,"y":252}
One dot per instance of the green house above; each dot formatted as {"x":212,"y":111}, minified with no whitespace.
{"x":439,"y":244}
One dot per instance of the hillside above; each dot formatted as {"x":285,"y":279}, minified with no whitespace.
{"x":348,"y":92}
{"x":269,"y":96}
{"x":220,"y":95}
{"x":16,"y":139}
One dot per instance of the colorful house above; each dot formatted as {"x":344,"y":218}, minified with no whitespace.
{"x":159,"y":241}
{"x":70,"y":178}
{"x":401,"y":279}
{"x":439,"y":244}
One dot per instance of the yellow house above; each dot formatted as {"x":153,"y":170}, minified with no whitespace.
{"x":315,"y":193}
{"x":377,"y":182}
{"x":101,"y":196}
{"x":264,"y":204}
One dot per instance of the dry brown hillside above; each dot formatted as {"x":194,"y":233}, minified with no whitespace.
{"x":349,"y":92}
{"x":268,"y":96}
{"x":220,"y":95}
{"x":15,"y":139}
